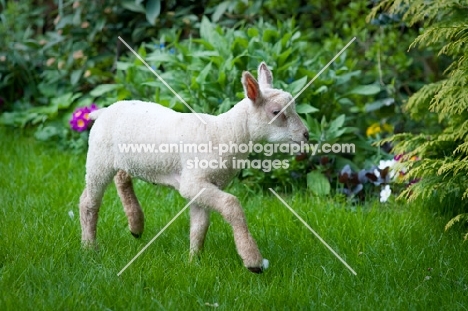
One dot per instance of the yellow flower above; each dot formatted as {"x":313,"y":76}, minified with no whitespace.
{"x":373,"y":129}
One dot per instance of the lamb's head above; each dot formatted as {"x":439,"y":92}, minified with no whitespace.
{"x":267,"y":103}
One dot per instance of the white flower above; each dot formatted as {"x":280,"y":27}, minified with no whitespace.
{"x":71,"y":214}
{"x":385,"y":193}
{"x":383,"y":164}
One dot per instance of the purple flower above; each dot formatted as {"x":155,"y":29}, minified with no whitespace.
{"x":80,"y":119}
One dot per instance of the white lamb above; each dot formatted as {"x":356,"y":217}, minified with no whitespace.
{"x":136,"y":122}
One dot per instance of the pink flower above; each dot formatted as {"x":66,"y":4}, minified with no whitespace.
{"x":80,"y":119}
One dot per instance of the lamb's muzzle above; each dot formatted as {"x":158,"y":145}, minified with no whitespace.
{"x":141,"y":122}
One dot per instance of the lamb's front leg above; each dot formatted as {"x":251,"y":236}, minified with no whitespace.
{"x":199,"y":223}
{"x":231,"y":210}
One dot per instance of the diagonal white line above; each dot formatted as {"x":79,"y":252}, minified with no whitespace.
{"x":160,"y":232}
{"x":162,"y":80}
{"x":312,"y":230}
{"x":311,"y":81}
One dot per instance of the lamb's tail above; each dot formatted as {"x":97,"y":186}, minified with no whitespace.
{"x":96,"y":113}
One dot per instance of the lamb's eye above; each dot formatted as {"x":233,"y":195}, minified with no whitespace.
{"x":275,"y":112}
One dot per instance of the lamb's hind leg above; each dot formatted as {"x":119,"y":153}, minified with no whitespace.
{"x":136,"y":219}
{"x":90,"y":202}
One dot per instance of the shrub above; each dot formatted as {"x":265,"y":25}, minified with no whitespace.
{"x":443,"y":167}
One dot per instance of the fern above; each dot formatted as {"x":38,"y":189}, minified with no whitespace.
{"x":443,"y":164}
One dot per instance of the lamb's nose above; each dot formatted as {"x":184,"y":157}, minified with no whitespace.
{"x":306,"y":135}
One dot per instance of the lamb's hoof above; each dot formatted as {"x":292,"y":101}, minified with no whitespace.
{"x":136,"y":235}
{"x":257,"y":270}
{"x":194,"y":256}
{"x":90,"y":245}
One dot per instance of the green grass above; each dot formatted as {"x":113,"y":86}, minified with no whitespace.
{"x":404,"y":259}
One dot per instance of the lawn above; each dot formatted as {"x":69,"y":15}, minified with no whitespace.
{"x":403,"y":258}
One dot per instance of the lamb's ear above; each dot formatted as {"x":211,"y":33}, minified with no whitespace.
{"x":265,"y":77}
{"x":251,"y":88}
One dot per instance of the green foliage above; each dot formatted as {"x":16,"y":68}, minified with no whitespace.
{"x":46,"y":50}
{"x":18,"y":49}
{"x":443,"y":166}
{"x":318,"y":183}
{"x":380,"y":51}
{"x":51,"y":56}
{"x":206,"y":71}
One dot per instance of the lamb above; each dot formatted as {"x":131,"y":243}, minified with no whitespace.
{"x":135,"y":122}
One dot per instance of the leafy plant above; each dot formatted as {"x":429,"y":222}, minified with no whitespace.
{"x":19,"y":55}
{"x":51,"y":56}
